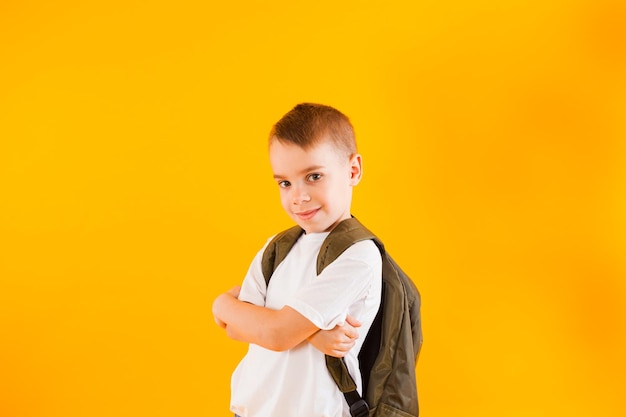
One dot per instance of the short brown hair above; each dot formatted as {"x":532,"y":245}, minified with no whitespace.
{"x":308,"y":123}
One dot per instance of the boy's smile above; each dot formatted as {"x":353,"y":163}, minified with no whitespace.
{"x":315,"y":183}
{"x":306,"y":215}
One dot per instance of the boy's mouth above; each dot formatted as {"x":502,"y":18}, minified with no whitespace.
{"x":306,"y":215}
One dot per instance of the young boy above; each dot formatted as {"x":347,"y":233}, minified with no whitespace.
{"x":300,"y":316}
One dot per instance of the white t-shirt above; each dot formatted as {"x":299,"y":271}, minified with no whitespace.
{"x":296,"y":382}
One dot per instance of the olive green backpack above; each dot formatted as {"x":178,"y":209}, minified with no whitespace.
{"x":389,"y":353}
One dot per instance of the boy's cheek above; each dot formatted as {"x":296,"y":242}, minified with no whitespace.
{"x":286,"y":206}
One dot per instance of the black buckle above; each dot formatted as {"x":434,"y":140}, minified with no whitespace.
{"x":359,"y":409}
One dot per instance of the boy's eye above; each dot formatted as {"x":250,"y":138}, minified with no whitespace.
{"x":284,"y":184}
{"x":314,"y":177}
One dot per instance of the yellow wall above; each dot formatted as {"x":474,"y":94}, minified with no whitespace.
{"x":134,"y":187}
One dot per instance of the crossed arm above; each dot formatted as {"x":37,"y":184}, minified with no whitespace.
{"x":279,"y":330}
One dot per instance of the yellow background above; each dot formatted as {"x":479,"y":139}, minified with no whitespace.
{"x":134,"y":187}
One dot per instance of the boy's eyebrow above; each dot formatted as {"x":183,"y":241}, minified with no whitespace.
{"x":304,"y":171}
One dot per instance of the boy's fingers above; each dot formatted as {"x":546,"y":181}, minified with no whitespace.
{"x":235,"y":291}
{"x":349,"y":330}
{"x":352,"y":321}
{"x":352,"y":334}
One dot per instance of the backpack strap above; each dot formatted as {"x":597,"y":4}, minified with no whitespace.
{"x":277,"y":250}
{"x":344,"y":235}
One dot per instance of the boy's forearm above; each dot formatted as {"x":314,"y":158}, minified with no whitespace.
{"x":272,"y":329}
{"x":242,"y":320}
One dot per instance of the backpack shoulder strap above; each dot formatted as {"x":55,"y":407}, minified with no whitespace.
{"x":344,"y":235}
{"x":277,"y":250}
{"x":393,"y":342}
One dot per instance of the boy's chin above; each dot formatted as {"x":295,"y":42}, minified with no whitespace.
{"x":309,"y":226}
{"x":314,"y":227}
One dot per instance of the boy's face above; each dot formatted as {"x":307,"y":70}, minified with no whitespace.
{"x":315,"y":184}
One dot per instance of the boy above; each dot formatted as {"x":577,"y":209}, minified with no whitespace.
{"x":300,"y":316}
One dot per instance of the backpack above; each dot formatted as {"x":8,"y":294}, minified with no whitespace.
{"x":390,"y":350}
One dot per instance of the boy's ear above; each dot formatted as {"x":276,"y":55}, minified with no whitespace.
{"x":356,"y":169}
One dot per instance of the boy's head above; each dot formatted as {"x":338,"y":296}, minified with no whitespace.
{"x":308,"y":124}
{"x":315,"y":164}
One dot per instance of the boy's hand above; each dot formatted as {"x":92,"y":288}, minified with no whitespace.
{"x":338,"y":341}
{"x":233,"y":292}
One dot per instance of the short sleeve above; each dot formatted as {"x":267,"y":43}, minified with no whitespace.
{"x":346,"y":282}
{"x":254,"y":288}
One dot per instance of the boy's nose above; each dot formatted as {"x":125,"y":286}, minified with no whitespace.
{"x":299,"y":196}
